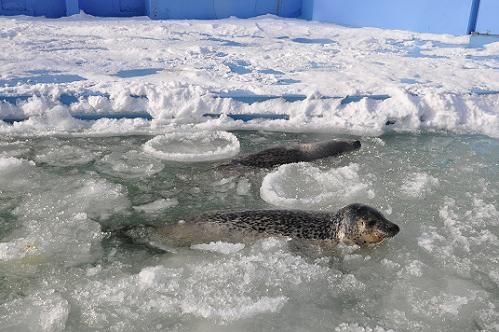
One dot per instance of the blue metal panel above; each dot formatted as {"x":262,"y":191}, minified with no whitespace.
{"x":307,"y":10}
{"x":442,"y":16}
{"x":213,"y":9}
{"x":52,"y":9}
{"x":243,"y":8}
{"x":289,"y":8}
{"x":72,"y":7}
{"x":14,"y":5}
{"x":193,"y":9}
{"x":131,"y":6}
{"x":118,"y":8}
{"x":488,"y":17}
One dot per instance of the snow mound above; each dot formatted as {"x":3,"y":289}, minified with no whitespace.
{"x":303,"y":186}
{"x":194,"y":146}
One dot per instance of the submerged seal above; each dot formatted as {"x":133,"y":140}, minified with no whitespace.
{"x":354,"y":224}
{"x":296,"y":153}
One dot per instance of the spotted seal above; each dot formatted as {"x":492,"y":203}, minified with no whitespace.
{"x":296,"y":153}
{"x":355,"y":224}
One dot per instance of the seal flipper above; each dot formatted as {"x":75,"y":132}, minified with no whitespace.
{"x":145,"y":235}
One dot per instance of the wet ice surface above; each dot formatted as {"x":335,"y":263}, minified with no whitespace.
{"x":59,"y":271}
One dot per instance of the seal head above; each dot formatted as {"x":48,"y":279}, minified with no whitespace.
{"x":364,"y":226}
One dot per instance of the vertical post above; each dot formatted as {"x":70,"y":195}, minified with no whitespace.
{"x":72,"y":7}
{"x":475,"y":8}
{"x":278,"y":7}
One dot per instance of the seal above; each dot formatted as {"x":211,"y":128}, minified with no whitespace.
{"x":296,"y":153}
{"x":355,"y":224}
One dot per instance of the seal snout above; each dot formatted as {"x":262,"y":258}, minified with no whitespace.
{"x":356,"y":144}
{"x":391,"y":229}
{"x":395,"y":229}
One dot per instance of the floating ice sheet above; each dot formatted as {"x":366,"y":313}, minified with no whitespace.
{"x":190,"y":146}
{"x":130,"y":164}
{"x":305,"y":186}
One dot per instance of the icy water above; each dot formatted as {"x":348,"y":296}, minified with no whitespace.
{"x":62,"y":270}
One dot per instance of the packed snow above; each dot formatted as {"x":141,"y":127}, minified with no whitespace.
{"x":175,"y":72}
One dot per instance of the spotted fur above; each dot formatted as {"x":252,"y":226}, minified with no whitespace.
{"x":297,"y":153}
{"x":354,"y":224}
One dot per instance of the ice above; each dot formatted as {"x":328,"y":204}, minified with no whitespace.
{"x":130,"y":164}
{"x":65,"y":155}
{"x":46,"y":311}
{"x":13,"y":149}
{"x":439,"y":273}
{"x":157,"y":206}
{"x":232,"y":287}
{"x":303,"y":186}
{"x":243,"y":187}
{"x":194,"y":146}
{"x":417,"y":184}
{"x":220,"y":247}
{"x":16,"y":173}
{"x":354,"y":327}
{"x":58,"y":216}
{"x":429,"y":161}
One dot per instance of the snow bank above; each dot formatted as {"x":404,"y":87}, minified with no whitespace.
{"x":435,"y":82}
{"x":404,"y":111}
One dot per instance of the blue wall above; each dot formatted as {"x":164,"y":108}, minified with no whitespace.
{"x":488,"y":17}
{"x":57,"y":8}
{"x":213,"y":9}
{"x":117,"y":8}
{"x":437,"y":16}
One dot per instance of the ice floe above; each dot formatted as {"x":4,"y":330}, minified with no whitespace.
{"x":193,"y":146}
{"x":303,"y":186}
